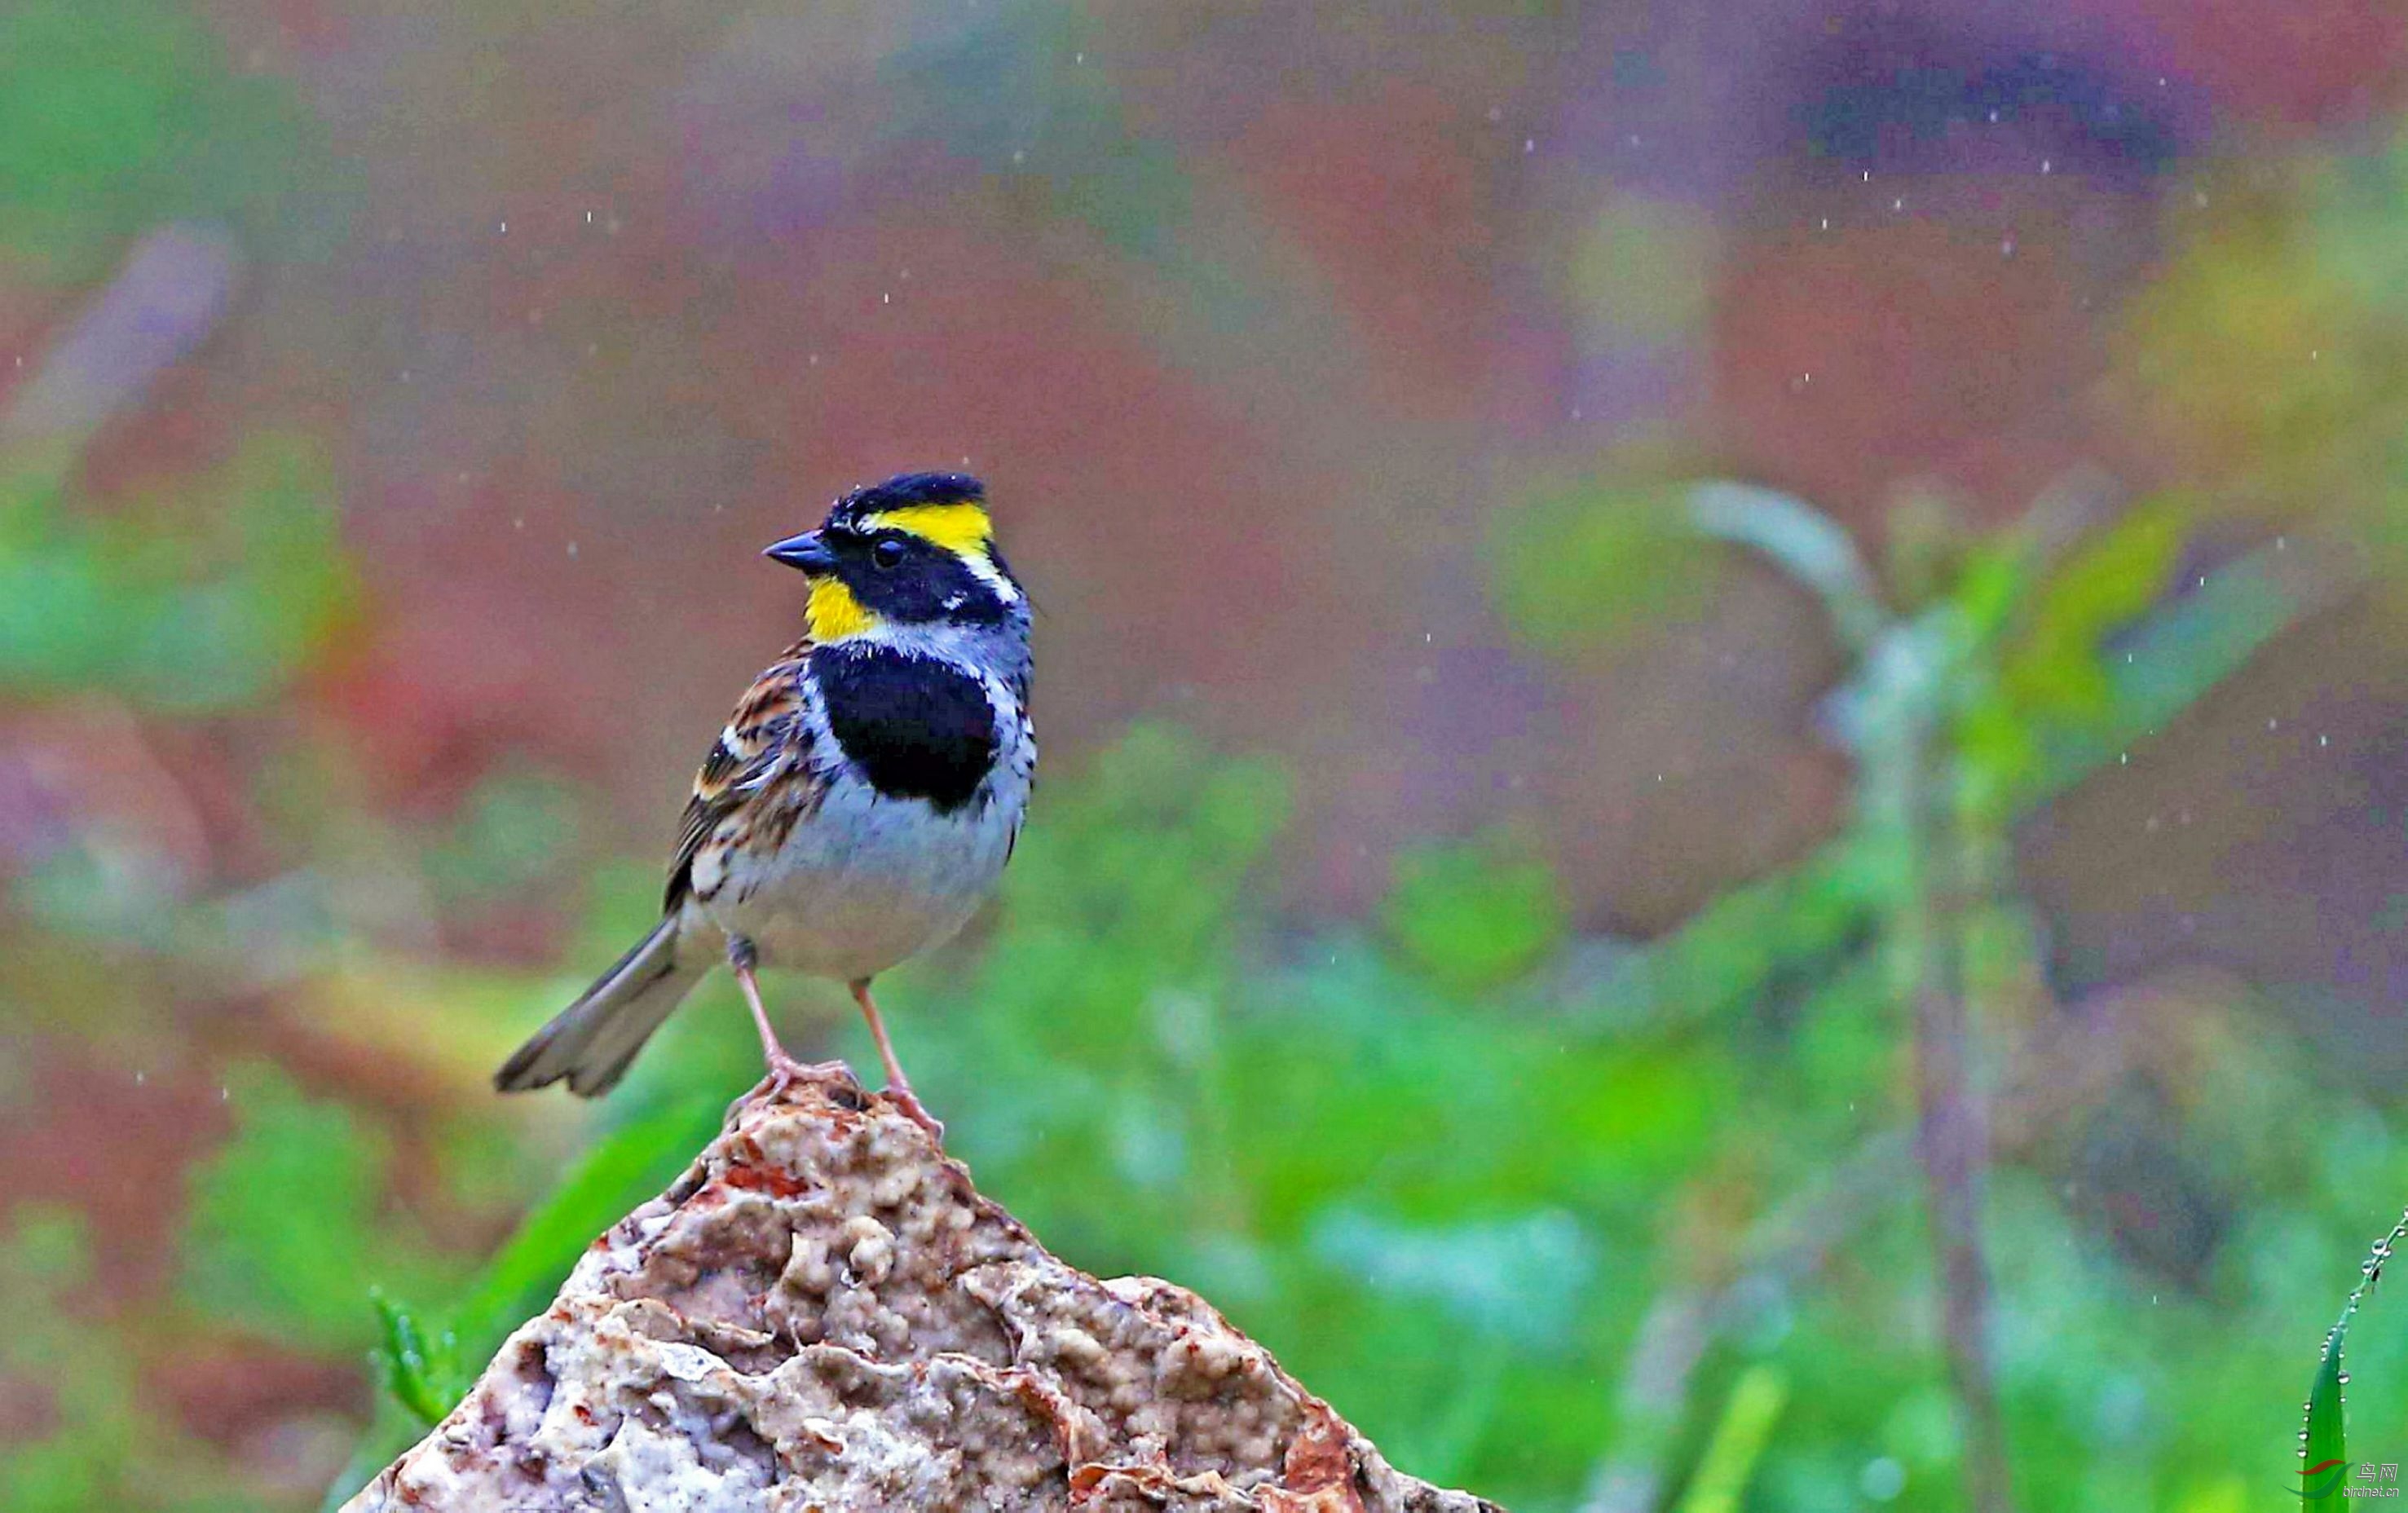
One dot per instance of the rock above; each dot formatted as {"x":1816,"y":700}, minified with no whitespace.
{"x":823,"y":1314}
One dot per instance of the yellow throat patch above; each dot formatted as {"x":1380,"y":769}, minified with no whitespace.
{"x":962,"y":528}
{"x":833,"y":614}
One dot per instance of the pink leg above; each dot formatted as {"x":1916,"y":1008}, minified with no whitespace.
{"x":898,"y":1087}
{"x":784,"y":1069}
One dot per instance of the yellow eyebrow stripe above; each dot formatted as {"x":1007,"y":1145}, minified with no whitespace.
{"x":962,"y":528}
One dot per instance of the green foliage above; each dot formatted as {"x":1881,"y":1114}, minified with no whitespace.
{"x":116,"y":115}
{"x":1580,"y":563}
{"x":1747,"y":1422}
{"x":513,"y":834}
{"x":2324,"y":1450}
{"x":209,"y":595}
{"x":1473,"y":916}
{"x":424,"y":1378}
{"x":103,"y":1445}
{"x":2271,"y":352}
{"x":2053,"y":683}
{"x":284,"y":1230}
{"x":1469,"y":1126}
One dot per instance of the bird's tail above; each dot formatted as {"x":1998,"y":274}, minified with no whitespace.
{"x":591,"y":1040}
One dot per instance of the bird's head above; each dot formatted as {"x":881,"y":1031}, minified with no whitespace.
{"x":913,"y":555}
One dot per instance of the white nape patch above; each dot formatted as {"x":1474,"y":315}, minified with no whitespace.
{"x":982,"y":569}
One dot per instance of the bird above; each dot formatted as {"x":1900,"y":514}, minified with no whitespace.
{"x":860,"y":803}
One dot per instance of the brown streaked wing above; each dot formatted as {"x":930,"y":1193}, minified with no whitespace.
{"x":766,"y":731}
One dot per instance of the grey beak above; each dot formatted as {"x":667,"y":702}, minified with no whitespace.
{"x":806,"y":551}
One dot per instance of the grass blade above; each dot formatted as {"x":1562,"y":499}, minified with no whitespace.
{"x":1739,"y":1441}
{"x":2324,"y":1452}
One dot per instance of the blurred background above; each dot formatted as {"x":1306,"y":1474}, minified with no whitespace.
{"x":1658,"y":625}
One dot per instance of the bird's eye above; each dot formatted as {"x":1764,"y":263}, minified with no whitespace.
{"x":887,"y":554}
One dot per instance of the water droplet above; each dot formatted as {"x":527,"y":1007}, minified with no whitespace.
{"x":2045,"y":165}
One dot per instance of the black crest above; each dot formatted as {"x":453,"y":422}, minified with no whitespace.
{"x":905,"y":490}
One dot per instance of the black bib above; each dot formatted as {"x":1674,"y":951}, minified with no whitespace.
{"x":915,"y":726}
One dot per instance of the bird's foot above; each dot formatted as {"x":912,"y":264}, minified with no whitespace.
{"x":784,"y":1072}
{"x":909,"y":1102}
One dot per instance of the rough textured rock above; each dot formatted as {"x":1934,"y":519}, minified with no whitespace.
{"x":823,"y":1314}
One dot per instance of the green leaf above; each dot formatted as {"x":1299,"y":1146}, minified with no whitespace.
{"x":424,"y":1380}
{"x":2177,"y":653}
{"x":1740,"y":1437}
{"x":620,"y":1170}
{"x":2053,"y":671}
{"x":1808,"y":545}
{"x":2322,"y":1447}
{"x":2323,"y":1442}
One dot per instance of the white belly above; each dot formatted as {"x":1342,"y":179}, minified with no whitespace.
{"x":867,"y":881}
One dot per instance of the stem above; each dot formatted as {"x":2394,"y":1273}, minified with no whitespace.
{"x":1951,"y":1136}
